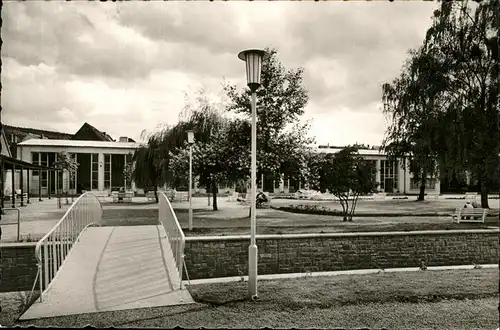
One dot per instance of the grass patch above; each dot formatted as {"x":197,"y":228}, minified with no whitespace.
{"x":14,"y":304}
{"x":442,"y":299}
{"x":327,"y":292}
{"x":315,"y":229}
{"x":129,"y":217}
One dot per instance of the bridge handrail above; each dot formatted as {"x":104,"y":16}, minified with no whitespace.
{"x":57,"y":243}
{"x":175,"y":235}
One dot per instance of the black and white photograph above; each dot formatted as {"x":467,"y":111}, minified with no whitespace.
{"x":250,"y":164}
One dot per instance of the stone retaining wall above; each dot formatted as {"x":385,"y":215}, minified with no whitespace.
{"x":211,"y":257}
{"x":18,"y":267}
{"x":221,"y":256}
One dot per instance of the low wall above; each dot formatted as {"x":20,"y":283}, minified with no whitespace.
{"x":18,"y":266}
{"x":221,"y":256}
{"x":211,"y":257}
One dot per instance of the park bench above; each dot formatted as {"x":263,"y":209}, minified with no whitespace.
{"x":181,"y":196}
{"x":122,"y":196}
{"x":469,"y":215}
{"x":432,"y":196}
{"x":232,"y":197}
{"x":379,"y":196}
{"x":471,"y":195}
{"x":244,"y":199}
{"x":18,"y":195}
{"x":151,"y":196}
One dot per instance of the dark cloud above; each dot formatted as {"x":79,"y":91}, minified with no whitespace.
{"x":64,"y":35}
{"x":59,"y":53}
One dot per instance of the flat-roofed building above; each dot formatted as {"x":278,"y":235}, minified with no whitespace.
{"x":101,"y":164}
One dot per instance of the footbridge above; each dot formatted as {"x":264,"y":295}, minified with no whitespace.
{"x":84,"y":267}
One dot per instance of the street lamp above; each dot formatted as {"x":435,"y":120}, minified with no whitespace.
{"x":253,"y":59}
{"x":191,"y":142}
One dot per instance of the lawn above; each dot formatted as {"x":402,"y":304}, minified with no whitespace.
{"x":457,"y":299}
{"x":389,"y":206}
{"x":232,"y":219}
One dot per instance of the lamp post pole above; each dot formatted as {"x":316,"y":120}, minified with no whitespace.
{"x":253,"y":59}
{"x":252,"y":249}
{"x":190,"y":141}
{"x":190,"y":187}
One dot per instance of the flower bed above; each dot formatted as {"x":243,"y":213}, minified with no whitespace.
{"x":309,"y":209}
{"x":316,"y":209}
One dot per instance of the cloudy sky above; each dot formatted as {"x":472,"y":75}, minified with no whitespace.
{"x":125,"y":67}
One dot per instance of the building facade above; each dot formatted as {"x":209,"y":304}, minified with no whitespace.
{"x":392,"y":177}
{"x":101,"y":165}
{"x":101,"y":160}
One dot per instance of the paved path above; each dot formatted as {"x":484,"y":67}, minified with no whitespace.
{"x":37,"y":218}
{"x":113,"y":268}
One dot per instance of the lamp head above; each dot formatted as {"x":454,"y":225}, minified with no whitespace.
{"x":190,"y":137}
{"x":253,"y":59}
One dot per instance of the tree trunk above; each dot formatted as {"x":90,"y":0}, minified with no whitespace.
{"x":156,"y":193}
{"x":209,"y":184}
{"x":483,"y":182}
{"x":423,"y":180}
{"x":214,"y":194}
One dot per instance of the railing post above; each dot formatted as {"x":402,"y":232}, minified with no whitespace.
{"x":18,"y":224}
{"x":46,"y":265}
{"x":54,"y":258}
{"x":61,"y":256}
{"x":40,"y":279}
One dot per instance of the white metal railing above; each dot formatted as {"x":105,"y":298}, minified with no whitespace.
{"x":175,"y":235}
{"x":51,"y":251}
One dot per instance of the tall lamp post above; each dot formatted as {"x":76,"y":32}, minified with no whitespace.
{"x":191,"y":142}
{"x":253,"y":60}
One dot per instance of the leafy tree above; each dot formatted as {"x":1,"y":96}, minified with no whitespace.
{"x":410,"y":103}
{"x":280,"y":103}
{"x":69,"y":164}
{"x":128,"y":170}
{"x":215,"y":158}
{"x":466,"y":41}
{"x":149,"y":160}
{"x":347,"y":176}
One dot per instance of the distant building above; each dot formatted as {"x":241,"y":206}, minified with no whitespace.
{"x":393,"y":177}
{"x":17,"y":135}
{"x":101,"y":159}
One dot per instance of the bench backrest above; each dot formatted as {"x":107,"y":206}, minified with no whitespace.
{"x":471,"y":211}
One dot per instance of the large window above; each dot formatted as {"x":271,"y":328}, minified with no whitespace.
{"x":107,"y":171}
{"x":95,"y":172}
{"x":388,"y":175}
{"x":35,"y":159}
{"x":44,"y":161}
{"x":429,"y":184}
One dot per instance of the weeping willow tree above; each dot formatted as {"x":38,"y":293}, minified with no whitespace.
{"x":149,"y":163}
{"x":465,"y":37}
{"x":411,"y":105}
{"x":214,"y":160}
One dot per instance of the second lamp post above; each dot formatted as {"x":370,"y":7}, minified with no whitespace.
{"x":190,"y":142}
{"x":253,"y":60}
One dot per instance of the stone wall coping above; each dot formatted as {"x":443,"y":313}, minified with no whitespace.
{"x":20,"y":244}
{"x":358,"y":234}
